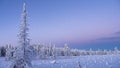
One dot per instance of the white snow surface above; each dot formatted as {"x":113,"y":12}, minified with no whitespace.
{"x":96,"y":61}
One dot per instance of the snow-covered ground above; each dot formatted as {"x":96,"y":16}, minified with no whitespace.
{"x":96,"y":61}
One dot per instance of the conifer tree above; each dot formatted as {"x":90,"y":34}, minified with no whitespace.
{"x":23,"y":53}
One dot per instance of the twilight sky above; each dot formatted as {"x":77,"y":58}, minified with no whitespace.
{"x":80,"y":23}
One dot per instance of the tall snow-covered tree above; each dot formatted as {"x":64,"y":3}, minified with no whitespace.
{"x":23,"y":53}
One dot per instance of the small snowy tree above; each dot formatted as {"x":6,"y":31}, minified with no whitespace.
{"x":54,"y":51}
{"x":66,"y":50}
{"x":79,"y":65}
{"x":8,"y":54}
{"x":116,"y":51}
{"x":3,"y":51}
{"x":90,"y":52}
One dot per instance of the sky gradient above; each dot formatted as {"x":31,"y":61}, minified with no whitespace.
{"x":80,"y":23}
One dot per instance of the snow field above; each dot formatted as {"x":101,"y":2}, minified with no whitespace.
{"x":96,"y":61}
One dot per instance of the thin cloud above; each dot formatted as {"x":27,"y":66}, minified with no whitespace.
{"x":115,"y":36}
{"x":117,"y":33}
{"x":110,"y":38}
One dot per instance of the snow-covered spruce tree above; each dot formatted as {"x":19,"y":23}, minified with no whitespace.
{"x":66,"y":50}
{"x":3,"y":51}
{"x":54,"y":51}
{"x":9,"y":52}
{"x":22,"y":55}
{"x":50,"y":50}
{"x":116,"y":51}
{"x":90,"y":52}
{"x":38,"y":50}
